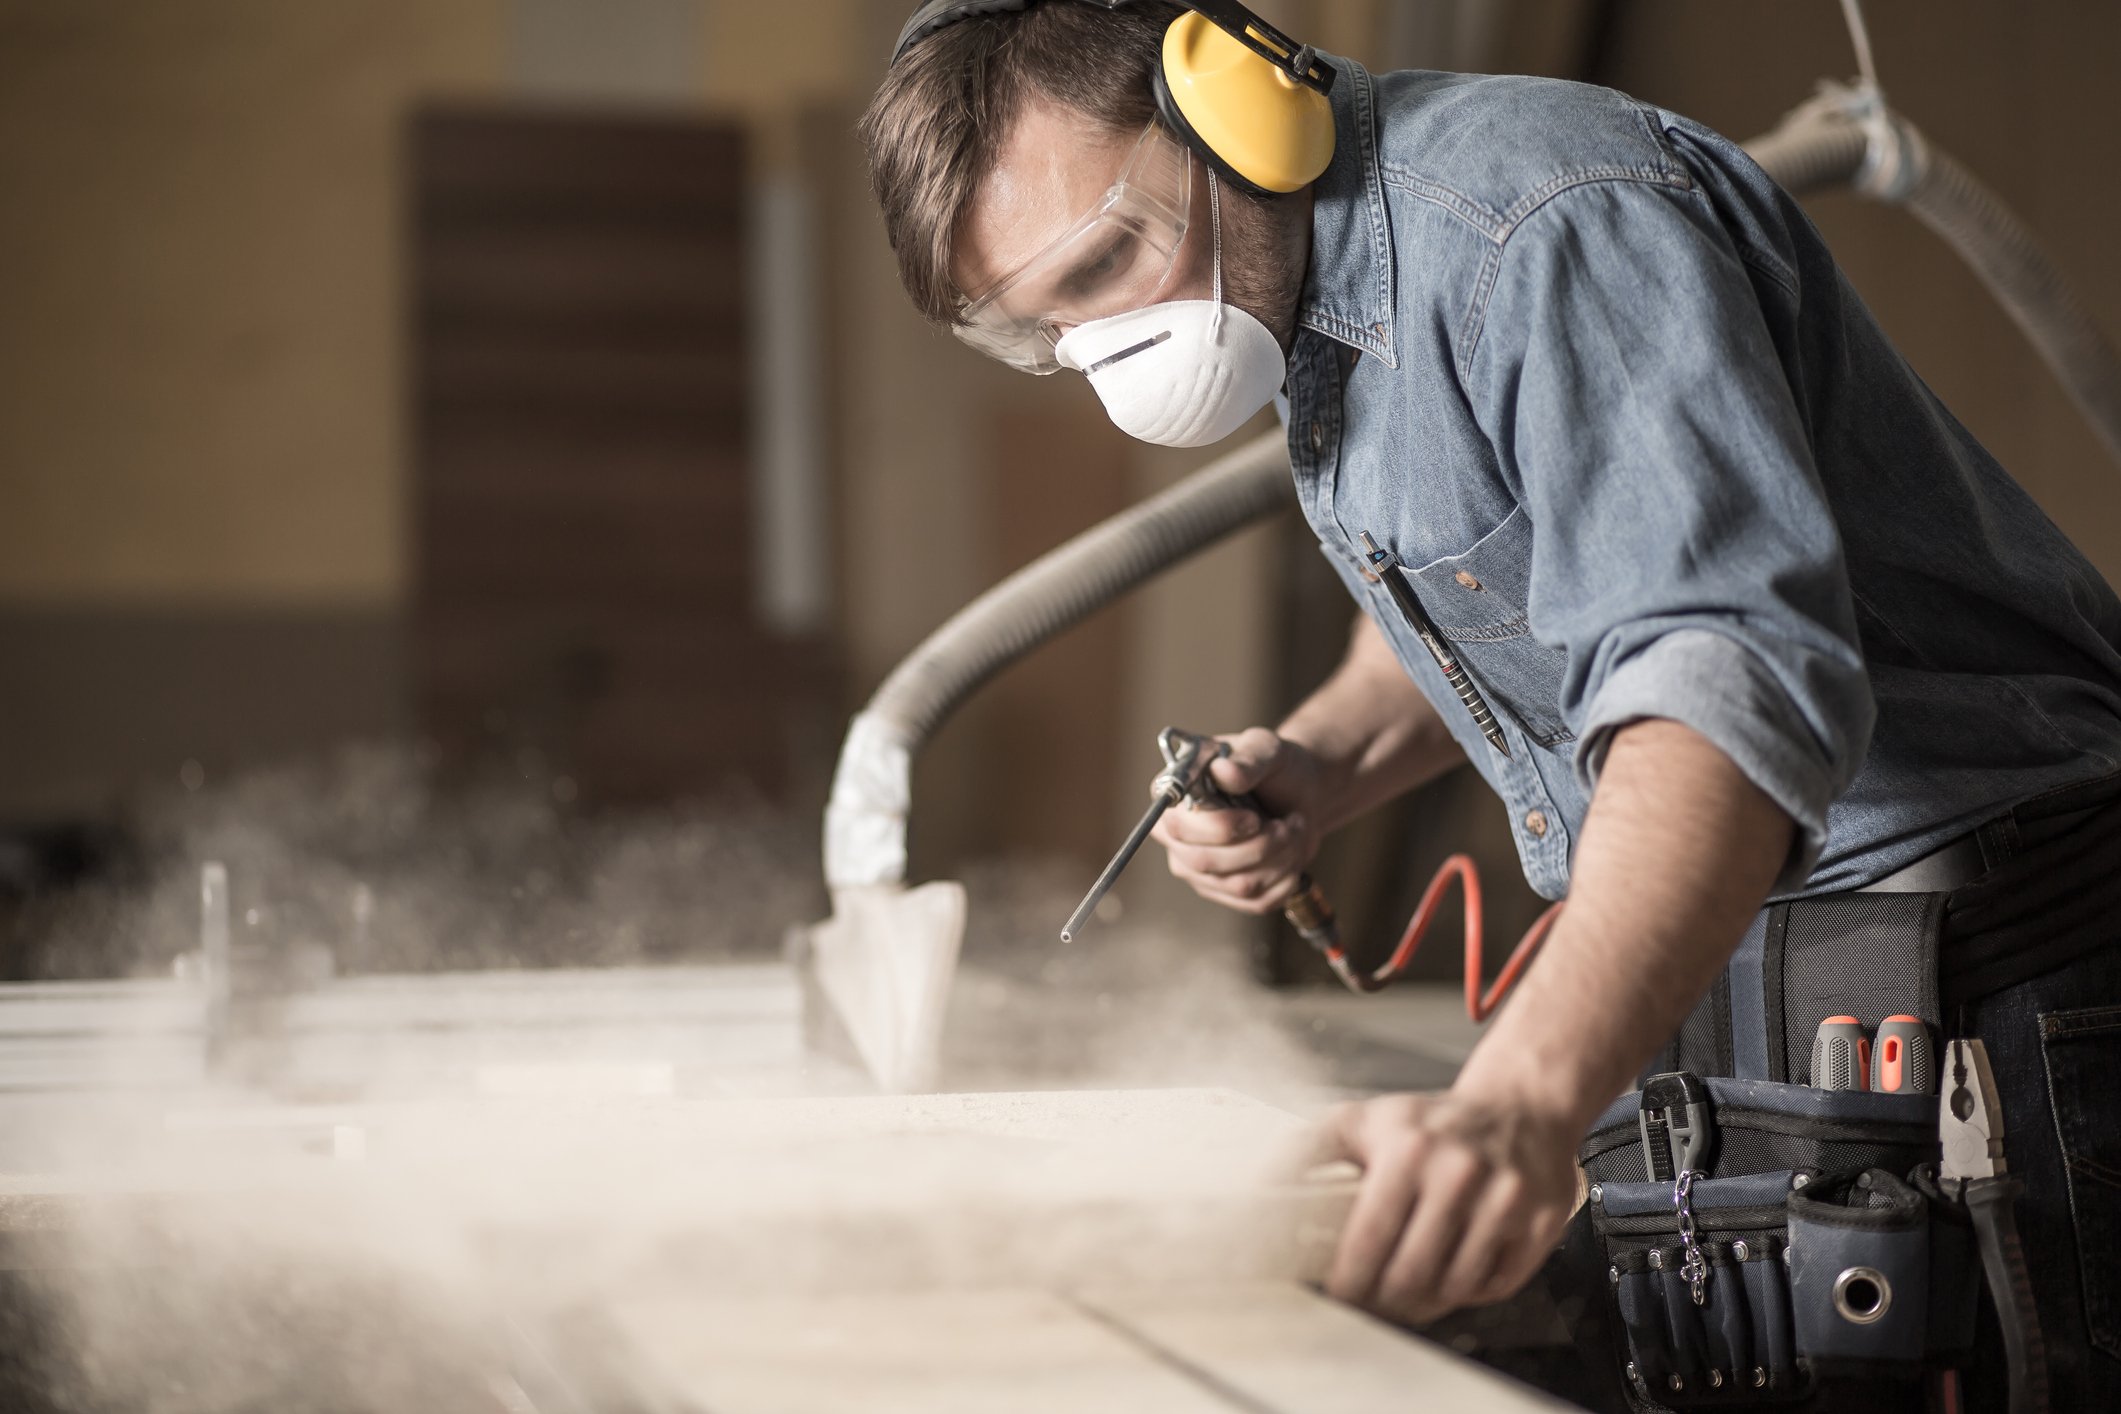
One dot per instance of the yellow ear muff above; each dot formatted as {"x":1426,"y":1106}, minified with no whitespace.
{"x":1271,"y":131}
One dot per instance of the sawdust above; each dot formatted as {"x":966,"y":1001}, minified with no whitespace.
{"x":235,"y":1270}
{"x":364,"y":858}
{"x":208,"y":1252}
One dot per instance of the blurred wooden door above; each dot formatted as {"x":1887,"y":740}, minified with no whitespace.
{"x":580,"y":446}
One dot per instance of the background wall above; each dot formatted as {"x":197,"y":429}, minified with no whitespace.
{"x":200,"y":349}
{"x":204,"y":475}
{"x":202,"y":548}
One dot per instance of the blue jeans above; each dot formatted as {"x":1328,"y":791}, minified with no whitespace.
{"x":2055,"y":1043}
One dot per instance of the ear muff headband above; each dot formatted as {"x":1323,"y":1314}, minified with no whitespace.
{"x":1249,"y":99}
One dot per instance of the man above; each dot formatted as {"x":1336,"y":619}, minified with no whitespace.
{"x":1755,"y":617}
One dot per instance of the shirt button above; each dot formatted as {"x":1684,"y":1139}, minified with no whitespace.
{"x":1469,"y":582}
{"x":1536,"y":822}
{"x":1318,"y":437}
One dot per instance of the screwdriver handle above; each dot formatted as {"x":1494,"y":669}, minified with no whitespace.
{"x":1903,"y":1058}
{"x":1841,"y":1055}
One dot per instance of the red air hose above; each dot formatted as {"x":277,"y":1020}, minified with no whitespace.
{"x":1479,"y":1005}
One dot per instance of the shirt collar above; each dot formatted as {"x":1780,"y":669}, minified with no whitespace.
{"x":1348,"y":291}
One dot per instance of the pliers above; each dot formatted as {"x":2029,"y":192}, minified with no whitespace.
{"x":1974,"y":1172}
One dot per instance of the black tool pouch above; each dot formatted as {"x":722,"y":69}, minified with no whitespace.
{"x":1735,"y":1344}
{"x":1859,"y":1275}
{"x":1828,"y":1278}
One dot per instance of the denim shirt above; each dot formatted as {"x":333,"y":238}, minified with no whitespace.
{"x":1598,"y":385}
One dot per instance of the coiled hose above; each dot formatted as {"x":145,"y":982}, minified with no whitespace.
{"x":1839,"y":137}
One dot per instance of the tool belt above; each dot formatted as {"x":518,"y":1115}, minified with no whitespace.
{"x":1811,"y":1260}
{"x":1816,"y":1262}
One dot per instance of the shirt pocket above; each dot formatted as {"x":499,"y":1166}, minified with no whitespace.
{"x":1477,"y":600}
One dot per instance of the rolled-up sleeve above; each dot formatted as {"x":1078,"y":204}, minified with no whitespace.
{"x":1685,"y":558}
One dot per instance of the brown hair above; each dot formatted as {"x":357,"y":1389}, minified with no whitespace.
{"x":935,"y":125}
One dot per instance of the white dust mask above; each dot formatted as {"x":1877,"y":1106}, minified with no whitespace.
{"x":1183,"y":373}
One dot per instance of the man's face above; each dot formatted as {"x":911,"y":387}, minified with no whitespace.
{"x":1053,"y":167}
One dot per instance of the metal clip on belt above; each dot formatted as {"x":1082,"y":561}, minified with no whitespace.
{"x":1678,"y":1135}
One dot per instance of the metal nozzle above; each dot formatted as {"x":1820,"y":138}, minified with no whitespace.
{"x":1106,"y":880}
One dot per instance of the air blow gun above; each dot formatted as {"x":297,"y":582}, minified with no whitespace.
{"x":1186,"y":777}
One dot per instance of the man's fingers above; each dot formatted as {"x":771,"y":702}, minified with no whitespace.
{"x":1351,"y":1131}
{"x":1206,"y":827}
{"x":1448,"y":1215}
{"x":1267,"y":899}
{"x":1333,"y":1140}
{"x":1451,"y":1183}
{"x":1500,"y":1215}
{"x":1273,"y":848}
{"x":1261,"y":892}
{"x":1221,"y":861}
{"x":1391,"y":1182}
{"x":1254,"y":753}
{"x":1260,"y":895}
{"x":1276,"y":889}
{"x":1380,"y":1137}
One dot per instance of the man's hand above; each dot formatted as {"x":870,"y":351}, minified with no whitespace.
{"x":1459,"y":1204}
{"x":1463,"y":1194}
{"x":1364,"y":737}
{"x":1235,"y":857}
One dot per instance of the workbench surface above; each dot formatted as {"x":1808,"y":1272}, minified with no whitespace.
{"x":1259,"y":1347}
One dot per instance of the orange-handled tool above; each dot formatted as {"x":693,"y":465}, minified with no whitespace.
{"x":1841,"y":1055}
{"x":1903,"y":1058}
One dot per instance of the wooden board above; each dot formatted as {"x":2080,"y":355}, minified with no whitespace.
{"x":1281,"y":1346}
{"x":932,"y":1353}
{"x":732,"y":1197}
{"x":1263,"y":1348}
{"x":1079,"y":1250}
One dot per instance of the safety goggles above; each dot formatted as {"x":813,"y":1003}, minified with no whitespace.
{"x":1117,"y":258}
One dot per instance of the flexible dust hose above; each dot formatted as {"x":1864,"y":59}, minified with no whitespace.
{"x":1954,"y":204}
{"x":865,"y":821}
{"x":1836,"y":138}
{"x":1811,"y":150}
